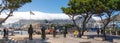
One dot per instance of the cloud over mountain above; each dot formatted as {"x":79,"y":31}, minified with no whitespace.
{"x":38,"y":16}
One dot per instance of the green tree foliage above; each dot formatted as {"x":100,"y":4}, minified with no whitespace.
{"x":68,"y":25}
{"x":10,"y":6}
{"x":107,"y":9}
{"x":85,"y":8}
{"x":71,"y":12}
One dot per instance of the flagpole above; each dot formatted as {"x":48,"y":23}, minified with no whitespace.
{"x":30,"y":18}
{"x":31,"y":13}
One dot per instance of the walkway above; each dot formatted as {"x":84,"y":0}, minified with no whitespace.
{"x":57,"y":39}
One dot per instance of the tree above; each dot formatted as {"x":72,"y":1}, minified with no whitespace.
{"x":86,"y":11}
{"x":85,"y":8}
{"x":71,"y":12}
{"x":10,"y":6}
{"x":68,"y":25}
{"x":107,"y":9}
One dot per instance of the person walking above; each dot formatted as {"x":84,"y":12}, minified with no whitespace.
{"x":43,"y":35}
{"x":30,"y":32}
{"x":4,"y":30}
{"x":54,"y":31}
{"x":50,"y":30}
{"x":102,"y":31}
{"x":7,"y":32}
{"x":98,"y":32}
{"x":64,"y":32}
{"x":76,"y":33}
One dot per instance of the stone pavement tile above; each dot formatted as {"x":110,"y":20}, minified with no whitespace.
{"x":34,"y":41}
{"x":66,"y":40}
{"x":59,"y":39}
{"x":96,"y":41}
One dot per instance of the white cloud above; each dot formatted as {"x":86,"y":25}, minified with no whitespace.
{"x":96,"y":18}
{"x":38,"y":16}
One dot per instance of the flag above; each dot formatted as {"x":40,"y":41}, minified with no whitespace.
{"x":31,"y":13}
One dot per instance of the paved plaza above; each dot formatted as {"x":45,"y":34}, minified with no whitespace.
{"x":51,"y":39}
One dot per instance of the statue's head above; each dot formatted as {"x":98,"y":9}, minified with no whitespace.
{"x":30,"y":25}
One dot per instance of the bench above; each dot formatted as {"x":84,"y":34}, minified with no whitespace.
{"x":99,"y":38}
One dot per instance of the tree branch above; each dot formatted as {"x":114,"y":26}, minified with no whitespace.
{"x":10,"y":13}
{"x":88,"y":18}
{"x":102,"y":20}
{"x":85,"y":18}
{"x":2,"y":10}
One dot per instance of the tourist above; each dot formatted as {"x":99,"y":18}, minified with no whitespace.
{"x":64,"y":31}
{"x":102,"y":31}
{"x":54,"y":31}
{"x":76,"y":33}
{"x":50,"y":30}
{"x":7,"y":32}
{"x":43,"y":35}
{"x":4,"y":30}
{"x":98,"y":32}
{"x":30,"y":32}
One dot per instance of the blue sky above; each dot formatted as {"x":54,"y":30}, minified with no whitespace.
{"x":47,"y":6}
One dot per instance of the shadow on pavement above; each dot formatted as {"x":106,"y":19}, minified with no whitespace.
{"x":44,"y":41}
{"x":109,"y":37}
{"x":39,"y":40}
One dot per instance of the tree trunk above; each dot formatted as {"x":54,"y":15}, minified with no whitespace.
{"x":2,"y":10}
{"x":83,"y":27}
{"x":6,"y":17}
{"x":79,"y":34}
{"x":86,"y":19}
{"x":104,"y":34}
